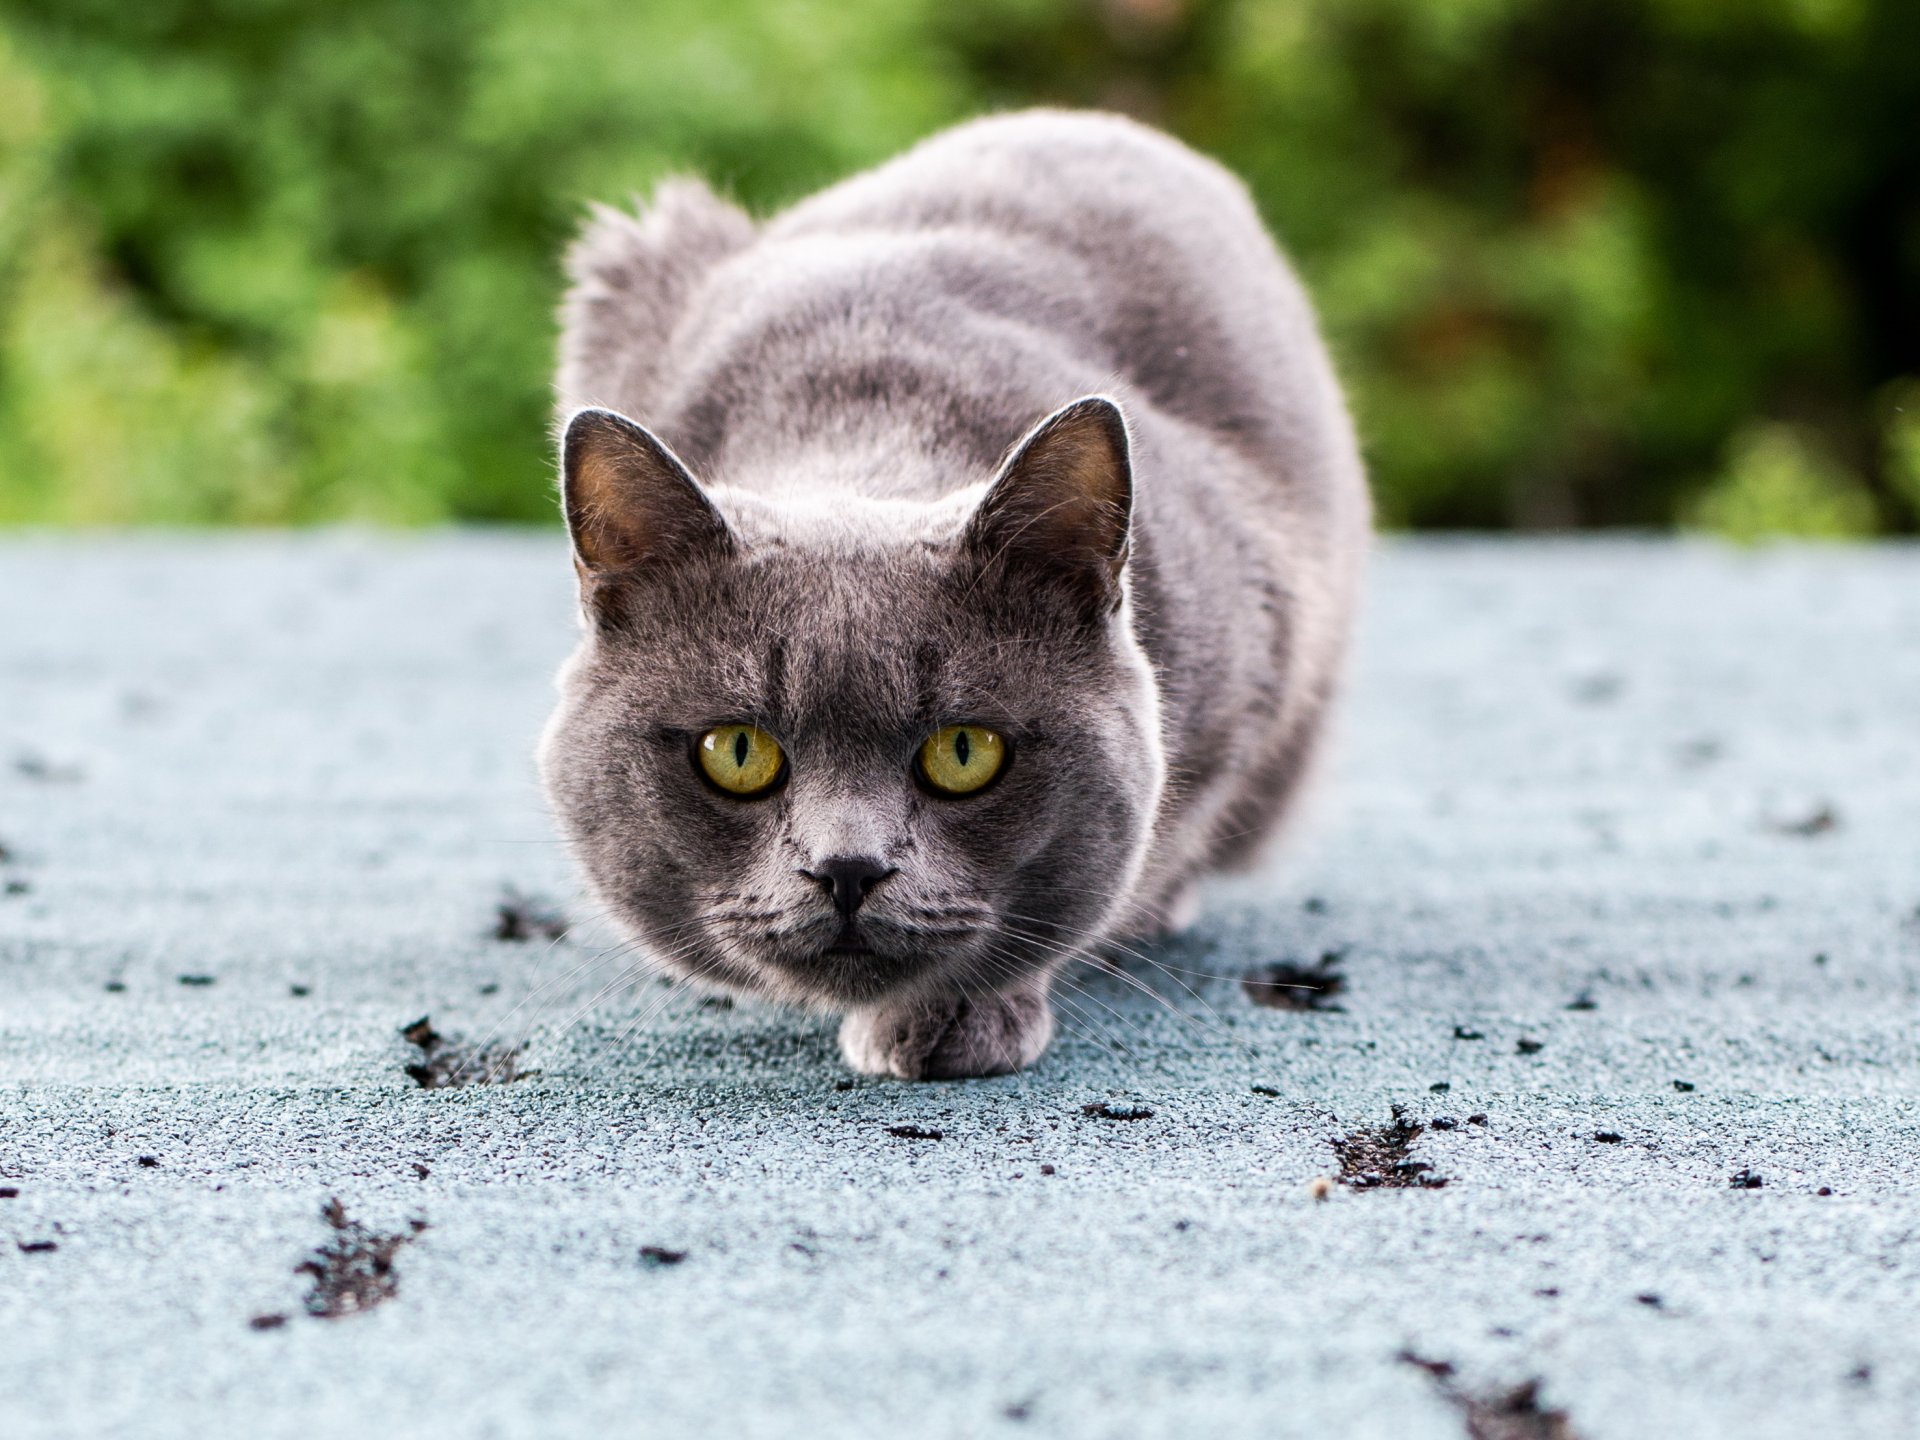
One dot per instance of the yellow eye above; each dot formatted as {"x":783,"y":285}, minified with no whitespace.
{"x":960,"y":759}
{"x":741,"y":759}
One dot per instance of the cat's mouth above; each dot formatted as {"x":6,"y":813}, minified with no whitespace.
{"x":852,"y":948}
{"x":858,"y":962}
{"x":851,"y":942}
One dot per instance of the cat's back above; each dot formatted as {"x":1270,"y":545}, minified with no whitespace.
{"x":1138,"y":253}
{"x":1106,"y":191}
{"x":961,"y":289}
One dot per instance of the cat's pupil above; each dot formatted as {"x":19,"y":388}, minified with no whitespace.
{"x":740,"y":750}
{"x":962,"y":748}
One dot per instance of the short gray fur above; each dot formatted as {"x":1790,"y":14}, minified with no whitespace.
{"x":275,"y":760}
{"x":838,"y":520}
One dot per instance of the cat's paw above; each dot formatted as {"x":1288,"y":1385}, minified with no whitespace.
{"x":952,"y":1038}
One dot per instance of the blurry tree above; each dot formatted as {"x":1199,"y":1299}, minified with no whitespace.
{"x":1583,"y":261}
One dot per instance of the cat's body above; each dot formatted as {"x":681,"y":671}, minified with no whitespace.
{"x":844,"y":382}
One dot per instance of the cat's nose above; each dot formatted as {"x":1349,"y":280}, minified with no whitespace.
{"x":848,"y":878}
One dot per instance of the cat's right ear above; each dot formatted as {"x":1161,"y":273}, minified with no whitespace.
{"x":630,"y":503}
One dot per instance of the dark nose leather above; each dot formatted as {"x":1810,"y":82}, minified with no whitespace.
{"x":848,"y":878}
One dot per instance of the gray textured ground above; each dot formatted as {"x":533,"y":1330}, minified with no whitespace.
{"x":1568,"y":770}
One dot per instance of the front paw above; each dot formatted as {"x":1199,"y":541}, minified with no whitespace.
{"x":951,"y":1038}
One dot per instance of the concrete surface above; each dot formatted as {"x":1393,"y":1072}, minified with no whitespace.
{"x":1676,"y":782}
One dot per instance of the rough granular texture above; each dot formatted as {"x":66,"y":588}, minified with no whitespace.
{"x":332,"y":784}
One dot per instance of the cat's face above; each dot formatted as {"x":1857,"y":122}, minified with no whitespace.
{"x":878,"y":751}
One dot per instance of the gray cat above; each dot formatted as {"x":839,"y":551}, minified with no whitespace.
{"x":980,"y":580}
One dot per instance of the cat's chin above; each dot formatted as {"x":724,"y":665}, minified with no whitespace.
{"x":844,"y":976}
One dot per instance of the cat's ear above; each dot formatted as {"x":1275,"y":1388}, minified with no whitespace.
{"x":1063,"y":502}
{"x":630,"y":503}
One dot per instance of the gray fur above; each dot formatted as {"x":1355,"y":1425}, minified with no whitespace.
{"x":1156,"y":616}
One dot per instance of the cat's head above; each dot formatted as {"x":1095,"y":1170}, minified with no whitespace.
{"x":840,"y":750}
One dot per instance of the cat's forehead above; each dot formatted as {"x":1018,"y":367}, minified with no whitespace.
{"x":845,"y":524}
{"x":874,"y":632}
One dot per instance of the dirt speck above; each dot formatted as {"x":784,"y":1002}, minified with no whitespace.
{"x":1649,"y":1299}
{"x":1817,"y":821}
{"x":353,"y":1271}
{"x":1285,"y":985}
{"x":1101,"y":1110}
{"x":522,"y":917}
{"x":1698,"y":752}
{"x":1376,"y":1158}
{"x":915,"y":1132}
{"x":34,"y":766}
{"x":1514,"y":1414}
{"x":196,"y":982}
{"x":266,"y":1322}
{"x":448,"y":1064}
{"x":9,"y":1192}
{"x":148,"y":1162}
{"x":1525,"y":1046}
{"x":658,"y":1257}
{"x":37,"y":1247}
{"x":1583,"y":1001}
{"x":1600,"y":688}
{"x":1607,"y":1137}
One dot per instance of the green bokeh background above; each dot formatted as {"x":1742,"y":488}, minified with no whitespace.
{"x":1582,"y":262}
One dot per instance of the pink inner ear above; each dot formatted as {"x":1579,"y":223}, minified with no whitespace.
{"x":630,"y":502}
{"x":1065,"y":496}
{"x":605,"y":535}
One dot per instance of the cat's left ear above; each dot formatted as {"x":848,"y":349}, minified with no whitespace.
{"x":1063,"y":502}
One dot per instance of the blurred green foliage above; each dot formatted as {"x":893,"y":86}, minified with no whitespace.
{"x":1582,"y":261}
